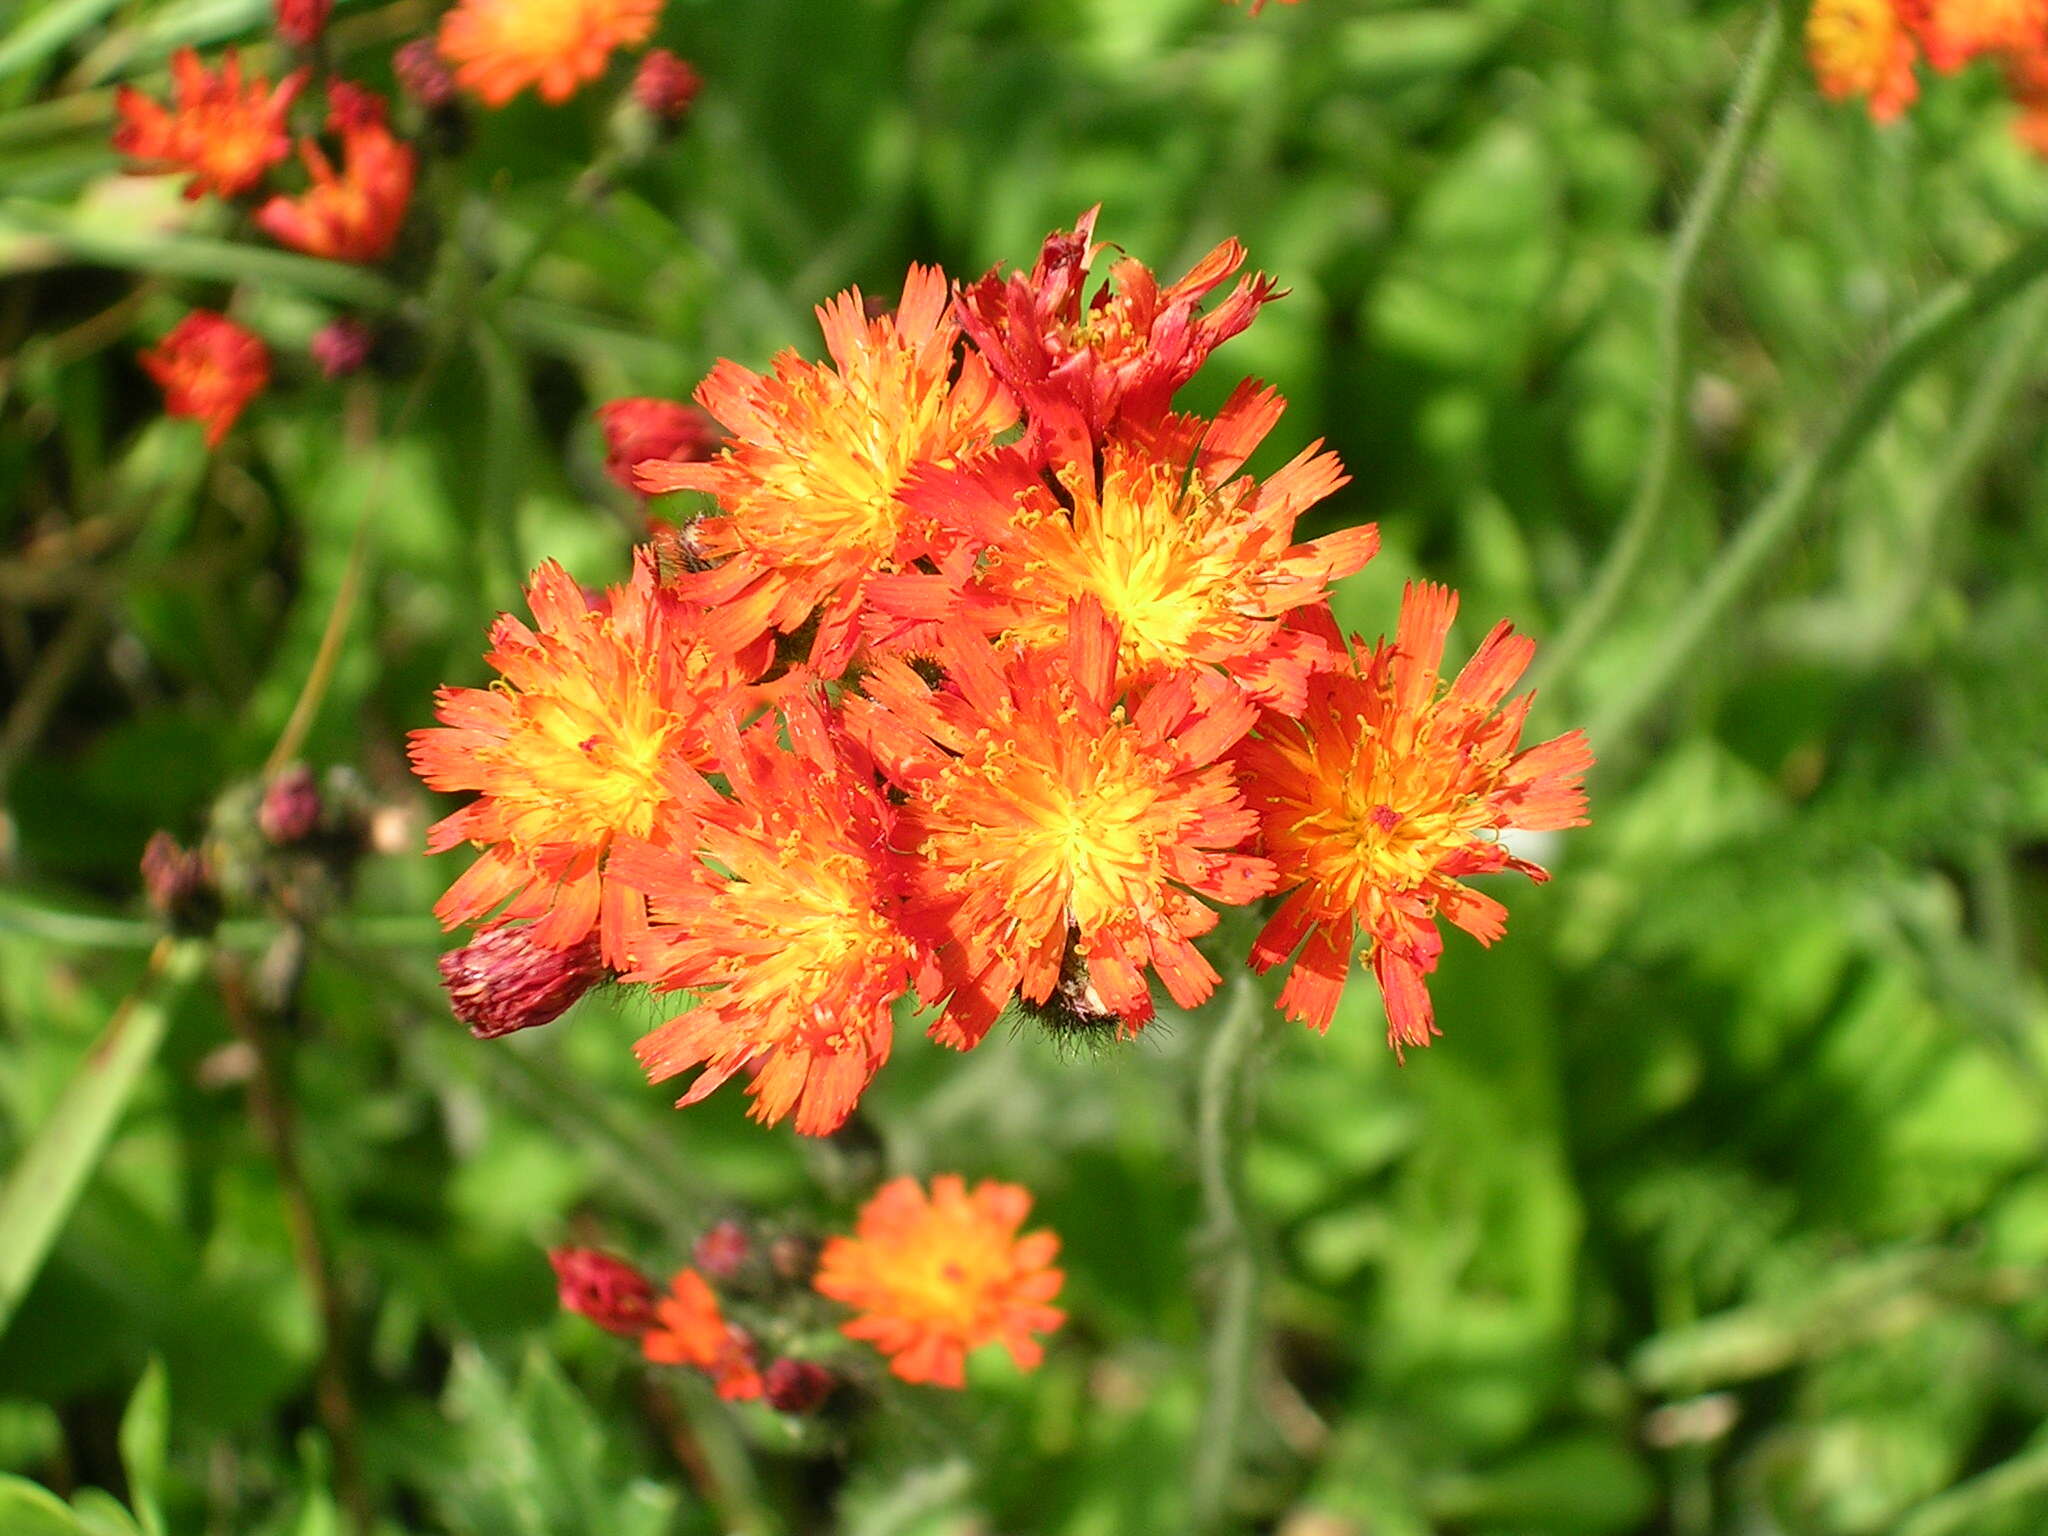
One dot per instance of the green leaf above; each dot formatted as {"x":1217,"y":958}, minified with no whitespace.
{"x":29,"y":1509}
{"x":46,"y":1181}
{"x":145,"y":1443}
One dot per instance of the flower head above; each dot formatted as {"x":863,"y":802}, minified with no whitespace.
{"x":1195,"y":567}
{"x":1061,"y":835}
{"x":353,"y":215}
{"x":291,"y":807}
{"x":588,"y":738}
{"x":209,"y":369}
{"x":642,"y":428}
{"x":783,"y":915}
{"x":606,"y":1289}
{"x":1079,"y":368}
{"x":180,"y":885}
{"x":797,"y":1386}
{"x":225,"y":132}
{"x":502,"y":981}
{"x":689,"y":1329}
{"x":810,"y":485}
{"x":1863,"y":48}
{"x":1383,"y":794}
{"x":935,"y":1277}
{"x":500,"y":47}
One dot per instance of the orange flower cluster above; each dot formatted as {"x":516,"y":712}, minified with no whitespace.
{"x":229,"y":134}
{"x":1868,"y":49}
{"x":985,"y":678}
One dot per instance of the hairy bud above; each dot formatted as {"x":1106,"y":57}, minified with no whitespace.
{"x":666,"y":85}
{"x":290,"y":812}
{"x":341,"y":347}
{"x":722,"y":1250}
{"x":300,"y":22}
{"x":797,"y":1386}
{"x":180,"y":885}
{"x":422,"y":75}
{"x":502,"y":981}
{"x":604,"y":1288}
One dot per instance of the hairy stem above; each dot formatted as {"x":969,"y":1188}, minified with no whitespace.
{"x":1224,"y":1112}
{"x":1924,"y":336}
{"x":1756,"y":89}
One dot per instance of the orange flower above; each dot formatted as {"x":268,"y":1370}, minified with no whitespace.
{"x":1956,"y":31}
{"x":209,"y":369}
{"x":225,"y":133}
{"x":1060,"y":837}
{"x":500,"y":47}
{"x":934,"y":1278}
{"x":1077,"y":371}
{"x":589,"y":737}
{"x":1194,"y":567}
{"x":689,"y":1329}
{"x":791,"y":934}
{"x":353,"y":216}
{"x":1386,"y":791}
{"x":809,"y":487}
{"x":1863,"y":48}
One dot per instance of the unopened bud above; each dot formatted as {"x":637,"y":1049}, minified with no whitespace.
{"x":180,"y":885}
{"x":341,"y":347}
{"x":722,"y":1250}
{"x":642,"y":428}
{"x":290,"y":812}
{"x":502,"y":981}
{"x":604,"y":1288}
{"x":794,"y":1258}
{"x":796,"y":1386}
{"x":352,"y":107}
{"x":422,"y":75}
{"x":300,"y":22}
{"x":666,"y":85}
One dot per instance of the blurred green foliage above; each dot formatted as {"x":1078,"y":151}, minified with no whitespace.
{"x":1720,"y":1208}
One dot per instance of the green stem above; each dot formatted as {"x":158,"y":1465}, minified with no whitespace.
{"x":1224,"y":1112}
{"x":1756,"y":89}
{"x":1990,"y":401}
{"x":1926,"y":333}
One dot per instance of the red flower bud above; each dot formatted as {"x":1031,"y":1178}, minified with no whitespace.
{"x":290,"y":812}
{"x":502,"y":981}
{"x":179,"y":884}
{"x":351,"y":107}
{"x":341,"y":347}
{"x":666,"y":85}
{"x":300,"y":22}
{"x":422,"y":75}
{"x":722,"y":1250}
{"x":607,"y":1290}
{"x":642,"y":428}
{"x":797,"y":1386}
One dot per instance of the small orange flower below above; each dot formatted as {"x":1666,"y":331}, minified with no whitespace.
{"x":500,"y":47}
{"x":935,"y":1277}
{"x":209,"y":369}
{"x":225,"y":132}
{"x":689,"y":1329}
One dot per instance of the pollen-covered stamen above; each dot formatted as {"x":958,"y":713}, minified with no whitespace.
{"x":1041,"y":809}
